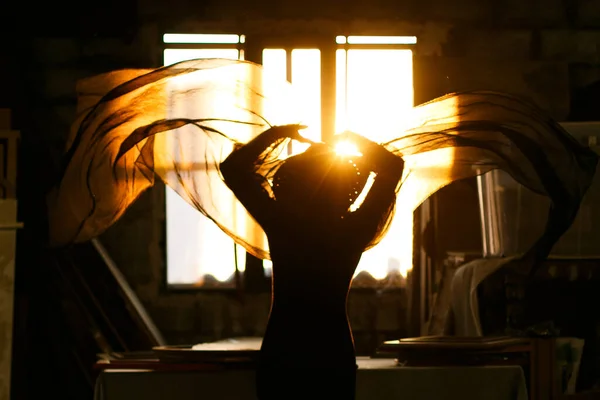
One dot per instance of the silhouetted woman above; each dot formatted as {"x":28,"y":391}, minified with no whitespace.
{"x":315,"y":244}
{"x":129,"y":130}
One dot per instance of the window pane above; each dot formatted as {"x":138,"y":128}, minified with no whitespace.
{"x":275,"y":64}
{"x":306,"y":83}
{"x":196,"y":248}
{"x":341,"y":104}
{"x":306,"y":80}
{"x":379,"y":91}
{"x":374,"y":91}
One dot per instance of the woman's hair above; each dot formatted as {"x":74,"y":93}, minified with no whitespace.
{"x":319,"y":179}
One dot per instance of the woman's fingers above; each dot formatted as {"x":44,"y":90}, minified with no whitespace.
{"x":294,"y":133}
{"x":289,"y":130}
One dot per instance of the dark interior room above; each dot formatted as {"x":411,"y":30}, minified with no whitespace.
{"x":442,"y":291}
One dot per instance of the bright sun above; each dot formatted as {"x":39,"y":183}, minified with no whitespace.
{"x":347,"y":148}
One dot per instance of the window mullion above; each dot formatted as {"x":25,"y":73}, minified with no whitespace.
{"x":328,"y":91}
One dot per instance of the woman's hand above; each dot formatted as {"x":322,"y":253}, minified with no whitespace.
{"x":288,"y":131}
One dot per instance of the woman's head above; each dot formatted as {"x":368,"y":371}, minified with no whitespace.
{"x":319,"y":181}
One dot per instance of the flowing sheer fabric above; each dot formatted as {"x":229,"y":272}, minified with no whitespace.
{"x":180,"y":122}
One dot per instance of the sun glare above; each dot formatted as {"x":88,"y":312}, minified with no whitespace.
{"x":347,"y":148}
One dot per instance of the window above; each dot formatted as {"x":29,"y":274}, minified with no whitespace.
{"x":304,"y":73}
{"x":374,"y":85}
{"x":197,"y":248}
{"x":367,"y":68}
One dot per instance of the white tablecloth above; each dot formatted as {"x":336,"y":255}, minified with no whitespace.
{"x":377,"y":379}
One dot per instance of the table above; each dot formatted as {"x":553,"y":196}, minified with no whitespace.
{"x":377,"y":379}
